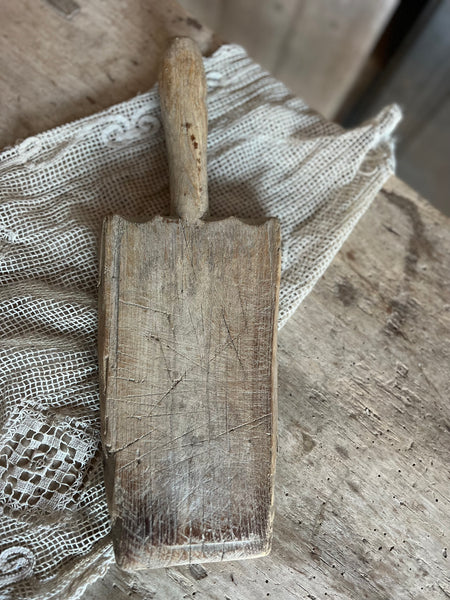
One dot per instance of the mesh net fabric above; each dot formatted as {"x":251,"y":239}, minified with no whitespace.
{"x":268,"y":155}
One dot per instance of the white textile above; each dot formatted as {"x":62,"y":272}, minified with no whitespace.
{"x":268,"y":155}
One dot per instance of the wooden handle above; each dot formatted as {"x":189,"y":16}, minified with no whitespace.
{"x":182,"y":90}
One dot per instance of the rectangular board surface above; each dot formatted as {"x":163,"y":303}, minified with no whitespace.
{"x":187,"y":343}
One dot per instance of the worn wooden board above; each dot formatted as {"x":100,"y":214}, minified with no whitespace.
{"x":316,"y":47}
{"x":418,"y":79}
{"x":327,"y":46}
{"x":187,"y":332}
{"x":65,"y":60}
{"x":187,"y":353}
{"x":263,"y":28}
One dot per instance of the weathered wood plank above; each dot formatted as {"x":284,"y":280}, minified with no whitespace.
{"x":261,"y":27}
{"x":56,"y":69}
{"x":316,"y":47}
{"x":326,"y":47}
{"x":418,"y":78}
{"x":187,"y":332}
{"x":187,"y":346}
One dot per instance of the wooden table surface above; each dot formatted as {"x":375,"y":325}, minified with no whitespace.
{"x":362,"y":490}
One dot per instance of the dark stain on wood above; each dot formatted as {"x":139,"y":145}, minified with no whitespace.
{"x":198,"y":571}
{"x":346,"y":292}
{"x":193,"y":23}
{"x":315,"y":554}
{"x":308,"y":443}
{"x":391,"y":230}
{"x":66,"y":8}
{"x":342,"y":451}
{"x":194,"y":142}
{"x":418,"y":242}
{"x":398,"y":312}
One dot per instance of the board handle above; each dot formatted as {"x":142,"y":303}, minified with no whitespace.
{"x":182,"y":91}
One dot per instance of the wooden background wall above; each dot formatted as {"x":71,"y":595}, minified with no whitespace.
{"x":320,"y":49}
{"x":418,"y":78}
{"x":316,"y":47}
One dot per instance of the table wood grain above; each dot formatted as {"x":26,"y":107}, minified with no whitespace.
{"x":362,"y":488}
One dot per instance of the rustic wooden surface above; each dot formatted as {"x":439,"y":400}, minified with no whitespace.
{"x":316,"y":47}
{"x":362,"y":489}
{"x":362,"y":486}
{"x":418,"y":78}
{"x":188,"y":388}
{"x":182,"y":92}
{"x":187,"y":347}
{"x":64,"y":60}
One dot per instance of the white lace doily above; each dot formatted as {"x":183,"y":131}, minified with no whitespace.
{"x":268,"y":154}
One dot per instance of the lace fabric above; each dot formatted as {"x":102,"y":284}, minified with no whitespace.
{"x":268,"y":155}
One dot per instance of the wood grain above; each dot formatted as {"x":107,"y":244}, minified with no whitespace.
{"x":327,"y":46}
{"x":316,"y":47}
{"x":56,"y":69}
{"x":187,"y":346}
{"x":182,"y":90}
